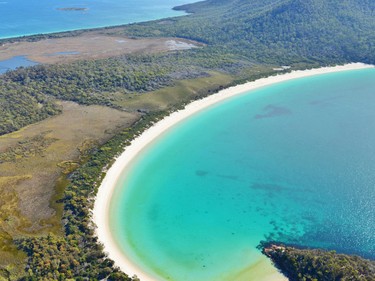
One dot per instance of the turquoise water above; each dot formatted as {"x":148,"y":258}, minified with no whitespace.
{"x":20,"y":17}
{"x":293,"y":162}
{"x":15,"y":62}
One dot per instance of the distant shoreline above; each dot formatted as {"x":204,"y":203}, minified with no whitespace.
{"x":57,"y":34}
{"x":74,"y":32}
{"x":107,"y":187}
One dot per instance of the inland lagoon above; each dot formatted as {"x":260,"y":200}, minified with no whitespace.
{"x":291,"y":162}
{"x":15,"y":62}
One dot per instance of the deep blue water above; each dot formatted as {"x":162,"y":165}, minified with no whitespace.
{"x":20,"y":17}
{"x":292,"y":162}
{"x":15,"y":62}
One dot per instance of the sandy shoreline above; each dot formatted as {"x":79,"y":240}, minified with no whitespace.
{"x":106,"y":189}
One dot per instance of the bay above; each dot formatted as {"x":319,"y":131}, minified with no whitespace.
{"x":292,"y":162}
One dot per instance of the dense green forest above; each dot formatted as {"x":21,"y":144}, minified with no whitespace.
{"x":237,"y":36}
{"x":319,"y":265}
{"x":21,"y":106}
{"x":276,"y":31}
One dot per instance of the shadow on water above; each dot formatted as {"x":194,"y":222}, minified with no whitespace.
{"x":273,"y":111}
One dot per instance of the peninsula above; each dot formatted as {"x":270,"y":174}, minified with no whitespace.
{"x":319,"y":264}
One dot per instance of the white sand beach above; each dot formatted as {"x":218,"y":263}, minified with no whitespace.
{"x":101,"y":208}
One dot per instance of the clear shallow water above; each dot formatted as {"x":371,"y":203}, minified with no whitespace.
{"x":20,"y":17}
{"x":15,"y":62}
{"x":293,"y":162}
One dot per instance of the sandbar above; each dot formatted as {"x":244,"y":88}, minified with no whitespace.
{"x":106,"y":189}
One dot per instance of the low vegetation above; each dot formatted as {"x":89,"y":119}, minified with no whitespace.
{"x":77,"y":254}
{"x":34,"y":163}
{"x":28,"y":147}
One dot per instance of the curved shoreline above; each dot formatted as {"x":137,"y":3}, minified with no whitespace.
{"x":107,"y":187}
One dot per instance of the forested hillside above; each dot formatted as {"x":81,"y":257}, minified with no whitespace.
{"x":283,"y":31}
